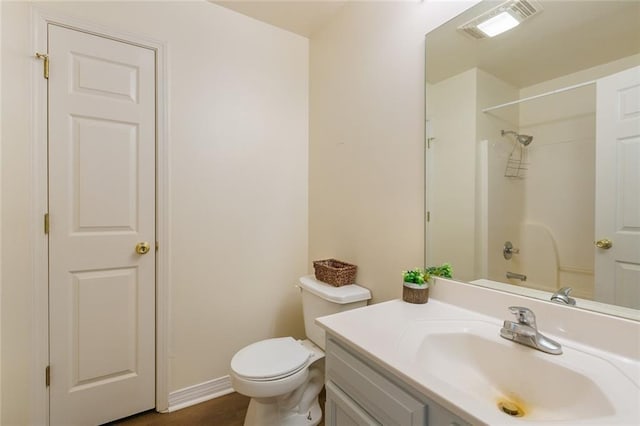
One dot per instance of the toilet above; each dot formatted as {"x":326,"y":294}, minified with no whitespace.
{"x":283,"y":376}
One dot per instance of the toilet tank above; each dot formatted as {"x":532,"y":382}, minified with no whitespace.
{"x":320,"y":299}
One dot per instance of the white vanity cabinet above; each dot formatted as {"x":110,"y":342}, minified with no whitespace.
{"x":360,"y":392}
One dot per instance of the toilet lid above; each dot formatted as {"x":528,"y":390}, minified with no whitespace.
{"x":270,"y":359}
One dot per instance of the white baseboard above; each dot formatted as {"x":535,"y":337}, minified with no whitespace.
{"x":201,"y":392}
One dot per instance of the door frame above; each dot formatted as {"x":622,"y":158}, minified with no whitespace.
{"x":39,"y":393}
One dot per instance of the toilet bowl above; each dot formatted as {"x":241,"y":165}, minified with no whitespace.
{"x":283,"y":376}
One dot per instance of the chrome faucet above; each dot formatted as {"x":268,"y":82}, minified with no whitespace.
{"x":562,"y":296}
{"x":525,"y":331}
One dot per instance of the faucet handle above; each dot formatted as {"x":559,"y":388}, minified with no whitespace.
{"x":524,"y":315}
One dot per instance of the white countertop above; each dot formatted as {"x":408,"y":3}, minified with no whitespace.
{"x":389,"y":334}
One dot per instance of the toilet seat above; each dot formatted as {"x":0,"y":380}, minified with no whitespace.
{"x":270,"y":359}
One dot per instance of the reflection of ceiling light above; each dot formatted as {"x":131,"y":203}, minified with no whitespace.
{"x":498,"y":24}
{"x":501,"y":18}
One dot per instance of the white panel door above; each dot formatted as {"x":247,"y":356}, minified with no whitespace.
{"x":101,"y":205}
{"x":617,"y":269}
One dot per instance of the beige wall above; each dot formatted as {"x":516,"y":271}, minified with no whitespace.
{"x":238,"y":137}
{"x":17,"y":312}
{"x":366,"y":170}
{"x":0,"y":221}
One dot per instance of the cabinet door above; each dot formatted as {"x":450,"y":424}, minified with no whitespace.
{"x":380,"y":397}
{"x":340,"y":410}
{"x":439,"y":416}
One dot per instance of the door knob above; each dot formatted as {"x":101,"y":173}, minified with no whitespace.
{"x":604,"y":244}
{"x":142,"y":248}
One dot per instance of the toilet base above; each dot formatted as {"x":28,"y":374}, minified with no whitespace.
{"x":266,"y":413}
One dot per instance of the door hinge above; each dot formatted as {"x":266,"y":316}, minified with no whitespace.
{"x":45,"y":59}
{"x":428,"y":216}
{"x":46,"y":223}
{"x":47,"y":375}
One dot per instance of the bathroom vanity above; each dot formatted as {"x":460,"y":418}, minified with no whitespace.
{"x":444,"y":363}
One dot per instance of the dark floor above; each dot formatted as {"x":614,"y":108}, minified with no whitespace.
{"x":228,"y":410}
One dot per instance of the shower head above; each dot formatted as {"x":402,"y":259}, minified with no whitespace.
{"x":523,"y":139}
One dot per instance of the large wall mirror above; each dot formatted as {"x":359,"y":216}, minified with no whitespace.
{"x":533,"y":159}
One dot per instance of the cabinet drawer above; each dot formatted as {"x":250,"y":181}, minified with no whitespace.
{"x":377,"y":395}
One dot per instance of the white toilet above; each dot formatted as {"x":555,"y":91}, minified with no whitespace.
{"x":284,"y":376}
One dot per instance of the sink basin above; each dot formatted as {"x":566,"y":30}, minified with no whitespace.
{"x":449,"y":352}
{"x":479,"y":368}
{"x":496,"y":372}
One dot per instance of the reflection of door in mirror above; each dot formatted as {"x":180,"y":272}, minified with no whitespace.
{"x":617,"y":278}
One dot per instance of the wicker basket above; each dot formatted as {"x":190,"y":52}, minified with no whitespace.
{"x":335,"y":272}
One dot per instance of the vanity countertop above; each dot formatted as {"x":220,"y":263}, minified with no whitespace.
{"x":411,"y":342}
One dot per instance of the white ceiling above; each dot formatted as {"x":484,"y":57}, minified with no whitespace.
{"x":566,"y":37}
{"x":301,"y":17}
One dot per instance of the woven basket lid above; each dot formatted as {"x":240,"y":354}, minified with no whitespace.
{"x":270,"y":359}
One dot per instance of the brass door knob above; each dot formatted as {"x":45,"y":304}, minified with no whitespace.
{"x":142,"y":248}
{"x":604,"y":244}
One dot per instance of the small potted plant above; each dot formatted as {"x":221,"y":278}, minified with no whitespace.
{"x":415,"y":288}
{"x":445,"y":270}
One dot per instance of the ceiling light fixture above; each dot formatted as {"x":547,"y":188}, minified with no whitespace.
{"x":501,"y":18}
{"x":498,"y":24}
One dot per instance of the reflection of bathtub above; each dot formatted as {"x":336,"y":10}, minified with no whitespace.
{"x":538,"y":258}
{"x":545,"y":295}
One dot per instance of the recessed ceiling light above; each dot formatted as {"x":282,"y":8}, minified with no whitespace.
{"x":501,"y":18}
{"x":498,"y":24}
